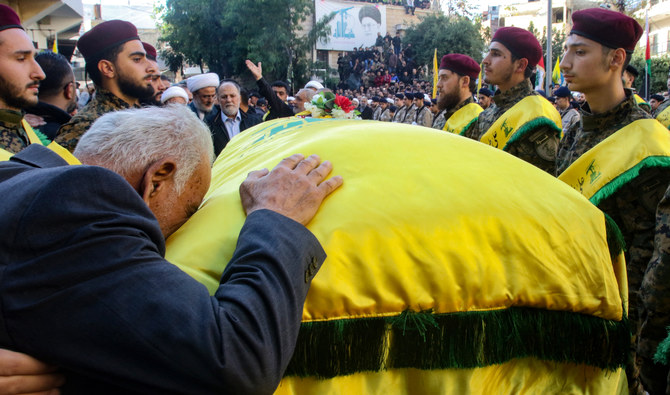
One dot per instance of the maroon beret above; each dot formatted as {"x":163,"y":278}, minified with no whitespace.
{"x":105,"y":36}
{"x":150,"y":50}
{"x":9,"y":18}
{"x":609,"y":28}
{"x":521,"y":43}
{"x":460,"y":64}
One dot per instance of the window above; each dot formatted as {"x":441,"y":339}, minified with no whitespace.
{"x":653,"y":42}
{"x":322,"y":56}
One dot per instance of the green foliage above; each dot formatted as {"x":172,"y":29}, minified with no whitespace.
{"x":453,"y":34}
{"x":222,"y":34}
{"x":659,"y":71}
{"x":557,"y":42}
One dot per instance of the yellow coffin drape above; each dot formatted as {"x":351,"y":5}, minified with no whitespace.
{"x":424,"y":220}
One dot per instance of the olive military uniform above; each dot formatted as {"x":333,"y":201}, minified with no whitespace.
{"x":633,"y":207}
{"x":104,"y":101}
{"x":12,"y":136}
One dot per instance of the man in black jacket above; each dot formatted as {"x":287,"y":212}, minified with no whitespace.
{"x":230,"y":120}
{"x":277,"y":108}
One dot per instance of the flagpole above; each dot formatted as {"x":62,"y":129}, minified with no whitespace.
{"x":547,"y":84}
{"x":647,"y":57}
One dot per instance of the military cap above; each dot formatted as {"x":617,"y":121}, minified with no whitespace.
{"x":631,"y":69}
{"x":521,"y":43}
{"x":150,"y":50}
{"x":486,"y":92}
{"x":563,"y":91}
{"x":400,"y":96}
{"x":657,"y":97}
{"x":552,"y":99}
{"x":9,"y":19}
{"x":460,"y":64}
{"x":609,"y":28}
{"x":541,"y":92}
{"x":393,"y":108}
{"x":433,"y":101}
{"x":105,"y":36}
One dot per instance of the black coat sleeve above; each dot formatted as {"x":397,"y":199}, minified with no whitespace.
{"x":276,"y":107}
{"x":85,"y":287}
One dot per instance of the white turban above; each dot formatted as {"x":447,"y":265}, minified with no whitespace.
{"x":316,"y":85}
{"x":202,"y":81}
{"x":173,"y":91}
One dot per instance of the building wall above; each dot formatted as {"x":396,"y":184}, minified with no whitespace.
{"x":659,"y":28}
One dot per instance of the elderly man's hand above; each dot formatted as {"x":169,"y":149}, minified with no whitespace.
{"x":22,"y":374}
{"x":295,"y":188}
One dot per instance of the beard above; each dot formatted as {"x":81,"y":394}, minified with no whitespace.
{"x":448,"y":100}
{"x":128,"y":87}
{"x":202,"y":107}
{"x":13,"y":97}
{"x":230,"y":111}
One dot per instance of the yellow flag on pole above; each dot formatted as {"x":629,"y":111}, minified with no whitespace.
{"x":479,"y":79}
{"x":55,"y":46}
{"x":435,"y":74}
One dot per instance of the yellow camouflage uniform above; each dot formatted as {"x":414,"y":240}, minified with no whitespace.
{"x":104,"y":101}
{"x":12,"y":136}
{"x":633,"y":207}
{"x":537,"y":147}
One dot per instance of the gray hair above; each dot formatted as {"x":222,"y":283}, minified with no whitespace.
{"x":129,"y":141}
{"x":309,"y":94}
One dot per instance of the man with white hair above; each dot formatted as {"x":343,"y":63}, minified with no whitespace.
{"x":230,"y":120}
{"x":80,"y":281}
{"x":303,"y":96}
{"x":203,"y":87}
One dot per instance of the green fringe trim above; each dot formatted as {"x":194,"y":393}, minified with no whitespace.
{"x":663,"y":351}
{"x":622,"y":179}
{"x":428,"y":341}
{"x":615,"y":240}
{"x":462,"y":133}
{"x":535,"y":123}
{"x":43,"y":137}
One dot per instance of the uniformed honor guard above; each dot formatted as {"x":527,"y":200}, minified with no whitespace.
{"x":456,"y":83}
{"x":522,"y":122}
{"x":401,"y":108}
{"x":423,"y":115}
{"x":117,"y":63}
{"x":619,"y":159}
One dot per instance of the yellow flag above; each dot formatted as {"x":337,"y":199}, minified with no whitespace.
{"x":55,"y":46}
{"x":479,"y":79}
{"x":556,"y":73}
{"x":435,"y":74}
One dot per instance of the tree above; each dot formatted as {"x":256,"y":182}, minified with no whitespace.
{"x":659,"y":71}
{"x":453,"y":34}
{"x":222,"y":34}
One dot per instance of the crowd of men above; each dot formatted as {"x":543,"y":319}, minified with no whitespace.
{"x":84,"y":243}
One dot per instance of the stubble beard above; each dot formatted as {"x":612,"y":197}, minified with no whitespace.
{"x":13,"y":96}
